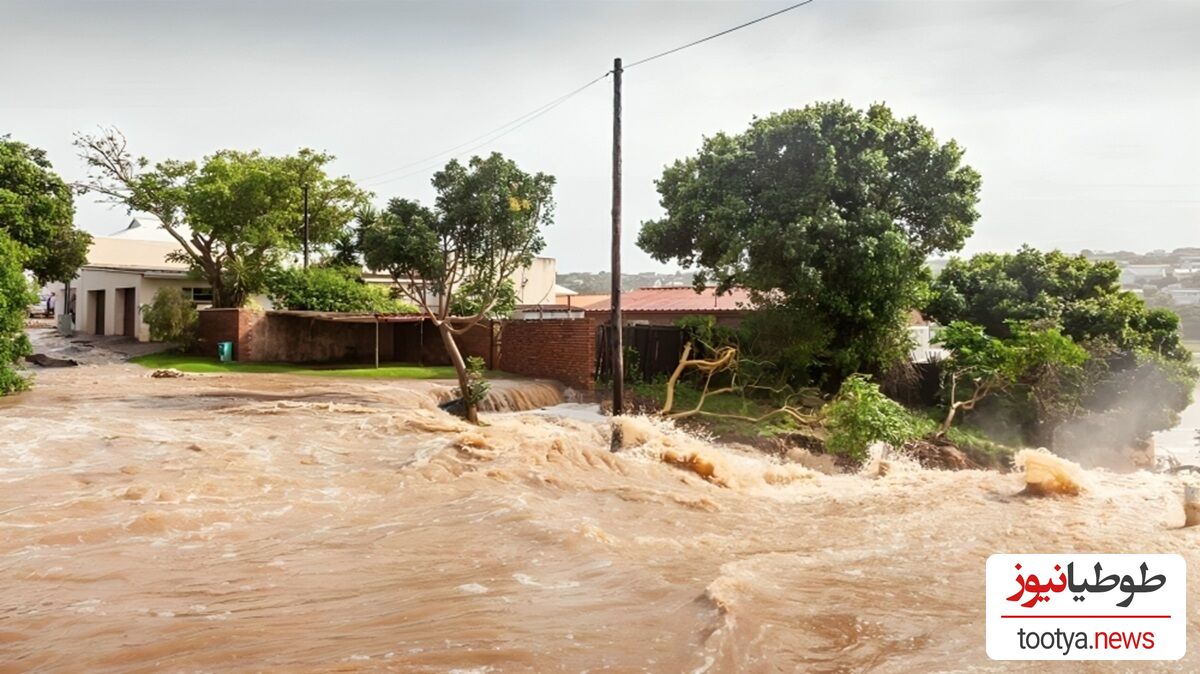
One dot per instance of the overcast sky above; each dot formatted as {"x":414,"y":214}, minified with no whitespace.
{"x":1082,"y":116}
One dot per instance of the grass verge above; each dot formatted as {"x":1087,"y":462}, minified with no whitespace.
{"x":204,"y":365}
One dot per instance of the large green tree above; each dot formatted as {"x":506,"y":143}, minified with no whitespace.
{"x":486,"y":224}
{"x":37,"y":212}
{"x":15,"y":296}
{"x":235,"y":215}
{"x":1138,"y":375}
{"x":828,"y":210}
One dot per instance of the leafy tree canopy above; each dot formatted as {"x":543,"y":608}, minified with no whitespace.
{"x":826,"y":209}
{"x":486,"y":224}
{"x":331,"y":289}
{"x":15,"y":297}
{"x":1083,"y":297}
{"x":37,"y":211}
{"x":234,"y":214}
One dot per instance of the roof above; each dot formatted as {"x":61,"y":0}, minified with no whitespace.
{"x":580,"y":301}
{"x":679,"y":299}
{"x":132,"y":254}
{"x":349,"y":316}
{"x":560,"y":291}
{"x":149,"y":272}
{"x":147,"y":228}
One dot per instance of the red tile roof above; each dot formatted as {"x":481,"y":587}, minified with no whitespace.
{"x":679,"y":299}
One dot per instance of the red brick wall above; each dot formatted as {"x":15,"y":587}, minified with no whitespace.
{"x":562,"y":349}
{"x":266,"y":337}
{"x":224,"y":325}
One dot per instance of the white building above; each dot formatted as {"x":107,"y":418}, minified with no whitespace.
{"x":1183,"y":296}
{"x":1136,"y":274}
{"x":535,"y":284}
{"x":122,"y":274}
{"x":921,"y":335}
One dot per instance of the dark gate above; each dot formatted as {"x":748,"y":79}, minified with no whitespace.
{"x":658,"y":350}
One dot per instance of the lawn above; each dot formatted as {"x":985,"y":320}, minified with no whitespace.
{"x":203,"y":364}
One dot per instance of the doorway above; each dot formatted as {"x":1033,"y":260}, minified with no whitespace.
{"x":128,"y":303}
{"x":95,"y":311}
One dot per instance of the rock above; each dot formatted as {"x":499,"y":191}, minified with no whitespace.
{"x":166,"y":374}
{"x":46,"y":361}
{"x":938,"y":455}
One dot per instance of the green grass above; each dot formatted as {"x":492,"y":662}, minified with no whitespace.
{"x":204,"y":365}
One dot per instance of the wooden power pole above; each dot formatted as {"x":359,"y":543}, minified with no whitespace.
{"x":305,"y":190}
{"x":618,"y":342}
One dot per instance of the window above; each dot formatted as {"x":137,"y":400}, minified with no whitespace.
{"x":199,"y":295}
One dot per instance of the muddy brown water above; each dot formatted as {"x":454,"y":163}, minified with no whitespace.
{"x":278,"y":523}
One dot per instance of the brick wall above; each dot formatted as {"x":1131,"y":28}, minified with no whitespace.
{"x":259,"y":336}
{"x":562,"y":349}
{"x":224,"y":325}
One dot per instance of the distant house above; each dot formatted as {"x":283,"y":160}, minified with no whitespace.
{"x":1137,"y":274}
{"x":535,"y":284}
{"x":123,"y":272}
{"x":666,"y":305}
{"x":1183,"y":296}
{"x":921,"y":333}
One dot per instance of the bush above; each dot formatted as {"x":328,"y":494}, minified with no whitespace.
{"x":15,"y":297}
{"x":330,"y":289}
{"x":477,"y":386}
{"x":861,"y":415}
{"x":172,"y":317}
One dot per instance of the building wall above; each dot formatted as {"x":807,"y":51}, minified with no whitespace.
{"x":535,"y":283}
{"x":90,"y":281}
{"x":260,"y":336}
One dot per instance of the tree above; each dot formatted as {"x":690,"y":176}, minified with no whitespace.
{"x":485,"y":225}
{"x":330,"y":289}
{"x":15,"y":297}
{"x":37,"y":211}
{"x":1134,"y":352}
{"x":981,"y":365}
{"x":235,"y":214}
{"x":826,"y":209}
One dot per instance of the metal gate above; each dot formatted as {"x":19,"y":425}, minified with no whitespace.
{"x":658,"y":349}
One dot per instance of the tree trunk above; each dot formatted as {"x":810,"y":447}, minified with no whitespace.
{"x":949,"y":420}
{"x":470,"y":413}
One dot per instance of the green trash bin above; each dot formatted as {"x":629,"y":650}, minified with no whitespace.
{"x":225,"y":351}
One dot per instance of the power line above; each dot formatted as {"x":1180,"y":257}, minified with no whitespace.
{"x":486,"y":138}
{"x":717,"y":35}
{"x":511,"y":126}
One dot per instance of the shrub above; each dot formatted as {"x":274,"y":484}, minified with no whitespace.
{"x":172,"y":317}
{"x":330,"y":289}
{"x":15,"y":297}
{"x":861,"y":415}
{"x":477,"y":386}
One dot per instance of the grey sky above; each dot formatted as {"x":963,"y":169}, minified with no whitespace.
{"x":1081,"y":116}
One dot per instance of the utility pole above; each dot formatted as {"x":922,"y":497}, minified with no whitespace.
{"x":305,"y":190}
{"x":618,"y":342}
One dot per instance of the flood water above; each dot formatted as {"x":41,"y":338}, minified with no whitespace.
{"x":277,"y":523}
